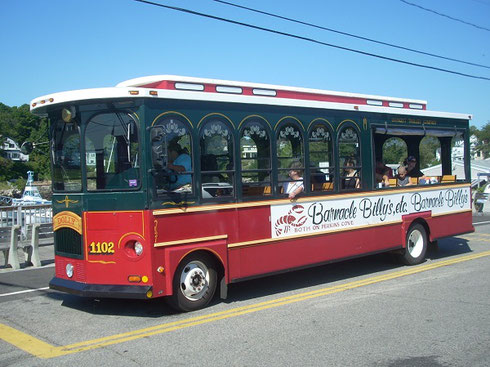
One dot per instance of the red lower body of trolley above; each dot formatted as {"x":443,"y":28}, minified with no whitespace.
{"x":238,"y":240}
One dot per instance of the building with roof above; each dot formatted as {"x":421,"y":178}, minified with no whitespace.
{"x":11,"y":150}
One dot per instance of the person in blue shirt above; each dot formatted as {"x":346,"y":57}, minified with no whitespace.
{"x":179,"y":161}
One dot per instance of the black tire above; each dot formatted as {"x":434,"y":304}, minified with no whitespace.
{"x":194,"y":283}
{"x":416,"y":245}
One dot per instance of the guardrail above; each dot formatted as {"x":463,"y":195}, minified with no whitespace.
{"x":13,"y":239}
{"x":25,"y":228}
{"x":24,"y":215}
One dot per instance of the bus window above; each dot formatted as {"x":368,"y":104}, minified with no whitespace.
{"x":113,"y":139}
{"x":66,"y":156}
{"x":430,"y":157}
{"x":458,"y":164}
{"x":289,"y":147}
{"x":216,"y":143}
{"x":350,"y":159}
{"x":171,"y":152}
{"x":321,"y":158}
{"x":255,"y":152}
{"x":394,"y":151}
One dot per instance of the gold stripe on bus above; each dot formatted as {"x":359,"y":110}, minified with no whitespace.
{"x":305,"y":199}
{"x":304,"y":235}
{"x":101,"y":262}
{"x":191,"y":240}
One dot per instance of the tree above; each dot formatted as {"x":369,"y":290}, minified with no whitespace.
{"x":394,"y":151}
{"x":483,"y":136}
{"x":20,"y":125}
{"x":428,"y":148}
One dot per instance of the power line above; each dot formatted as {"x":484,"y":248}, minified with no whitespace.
{"x":446,"y":16}
{"x":481,"y":2}
{"x":351,"y":34}
{"x":291,"y":35}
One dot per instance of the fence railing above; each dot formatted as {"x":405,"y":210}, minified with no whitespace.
{"x":25,"y":215}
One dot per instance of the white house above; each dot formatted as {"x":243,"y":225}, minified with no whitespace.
{"x":11,"y":150}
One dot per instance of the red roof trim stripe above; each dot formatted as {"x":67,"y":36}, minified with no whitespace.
{"x":287,"y":94}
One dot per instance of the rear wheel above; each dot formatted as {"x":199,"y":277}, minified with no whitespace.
{"x":194,"y":282}
{"x":416,"y":248}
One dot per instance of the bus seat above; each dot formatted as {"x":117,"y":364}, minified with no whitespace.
{"x":325,"y":186}
{"x":414,"y":180}
{"x":393,"y":182}
{"x":447,"y":178}
{"x":256,"y":190}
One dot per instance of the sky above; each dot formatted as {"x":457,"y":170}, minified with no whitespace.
{"x":57,"y":45}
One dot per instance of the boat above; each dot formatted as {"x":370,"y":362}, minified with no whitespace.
{"x":31,"y":195}
{"x":30,"y":208}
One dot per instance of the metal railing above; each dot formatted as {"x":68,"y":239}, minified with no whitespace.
{"x":25,"y":215}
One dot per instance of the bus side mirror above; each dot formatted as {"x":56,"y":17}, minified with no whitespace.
{"x":27,"y":147}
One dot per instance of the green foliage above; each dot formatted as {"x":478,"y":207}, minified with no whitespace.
{"x":394,"y":151}
{"x":20,"y":125}
{"x":428,"y":148}
{"x":483,"y":136}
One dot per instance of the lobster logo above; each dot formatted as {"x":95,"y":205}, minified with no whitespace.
{"x":293,"y":218}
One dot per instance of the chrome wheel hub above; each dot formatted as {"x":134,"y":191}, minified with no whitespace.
{"x":194,"y":280}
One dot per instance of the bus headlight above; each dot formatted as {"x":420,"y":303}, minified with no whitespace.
{"x":138,"y":248}
{"x":134,"y":249}
{"x":69,"y":270}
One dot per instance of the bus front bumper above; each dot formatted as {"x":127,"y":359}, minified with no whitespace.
{"x":100,"y":290}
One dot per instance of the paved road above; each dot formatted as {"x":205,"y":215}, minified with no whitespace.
{"x":364,"y":312}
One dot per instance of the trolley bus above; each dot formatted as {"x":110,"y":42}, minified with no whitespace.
{"x":171,"y":186}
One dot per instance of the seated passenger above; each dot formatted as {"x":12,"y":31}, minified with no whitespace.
{"x":318,"y":177}
{"x":410,"y":164}
{"x":209,"y":163}
{"x":294,"y":188}
{"x":350,"y":180}
{"x":383,"y":174}
{"x":179,"y":161}
{"x":402,"y":178}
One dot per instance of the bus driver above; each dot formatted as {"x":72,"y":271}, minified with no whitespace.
{"x":179,"y":161}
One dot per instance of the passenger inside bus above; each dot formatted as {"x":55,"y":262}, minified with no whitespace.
{"x":383,"y":174}
{"x":402,"y":178}
{"x":294,"y":188}
{"x":412,"y":171}
{"x":209,"y":163}
{"x":350,"y":180}
{"x":179,"y":161}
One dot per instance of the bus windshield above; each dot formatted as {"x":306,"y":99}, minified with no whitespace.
{"x":65,"y":142}
{"x":111,"y":151}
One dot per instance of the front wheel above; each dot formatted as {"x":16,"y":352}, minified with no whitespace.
{"x":194,"y":283}
{"x":416,"y":245}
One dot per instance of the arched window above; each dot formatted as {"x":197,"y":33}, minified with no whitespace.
{"x":290,"y":148}
{"x":321,"y":157}
{"x":349,"y":158}
{"x":394,"y":151}
{"x":255,"y":158}
{"x":171,"y":146}
{"x":217,"y":167}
